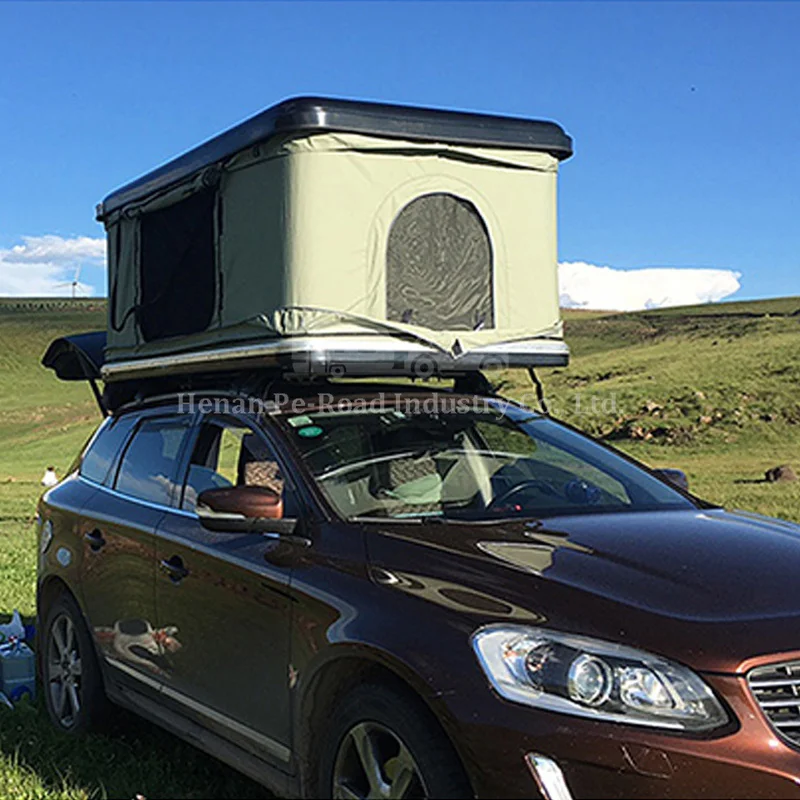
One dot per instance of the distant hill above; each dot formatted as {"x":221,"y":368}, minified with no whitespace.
{"x":711,"y":388}
{"x":779,"y":306}
{"x":42,"y":419}
{"x":26,"y":305}
{"x":672,"y":370}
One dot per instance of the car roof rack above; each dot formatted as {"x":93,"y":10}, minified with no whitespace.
{"x":81,"y":357}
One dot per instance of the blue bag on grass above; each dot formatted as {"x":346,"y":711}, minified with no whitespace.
{"x":17,"y":671}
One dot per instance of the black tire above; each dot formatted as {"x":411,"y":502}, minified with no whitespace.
{"x":391,"y":713}
{"x":87,"y":681}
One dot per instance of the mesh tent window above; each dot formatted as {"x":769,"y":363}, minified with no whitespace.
{"x":178,"y":268}
{"x":439,"y":265}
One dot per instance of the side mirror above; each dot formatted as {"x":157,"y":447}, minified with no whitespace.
{"x":675,"y":476}
{"x":243,"y":509}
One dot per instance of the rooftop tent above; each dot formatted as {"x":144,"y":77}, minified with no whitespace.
{"x":341,"y":230}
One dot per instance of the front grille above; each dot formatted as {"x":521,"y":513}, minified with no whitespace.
{"x":776,"y":687}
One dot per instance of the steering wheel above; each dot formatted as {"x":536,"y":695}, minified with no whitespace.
{"x":544,"y":486}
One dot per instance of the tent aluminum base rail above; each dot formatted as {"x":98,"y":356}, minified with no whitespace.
{"x":344,"y":357}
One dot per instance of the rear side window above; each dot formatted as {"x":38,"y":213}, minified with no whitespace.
{"x":99,"y":458}
{"x":147,"y":470}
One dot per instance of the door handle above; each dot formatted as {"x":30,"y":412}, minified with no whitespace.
{"x":174,"y":569}
{"x":95,"y":539}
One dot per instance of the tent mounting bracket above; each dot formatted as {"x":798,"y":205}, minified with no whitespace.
{"x":98,"y":396}
{"x":539,"y":391}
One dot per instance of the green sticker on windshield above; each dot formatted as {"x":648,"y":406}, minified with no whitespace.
{"x":310,"y":431}
{"x":296,"y":422}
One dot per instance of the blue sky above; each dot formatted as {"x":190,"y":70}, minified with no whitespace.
{"x":686,"y":116}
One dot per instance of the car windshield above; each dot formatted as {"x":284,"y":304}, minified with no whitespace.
{"x":497,"y":462}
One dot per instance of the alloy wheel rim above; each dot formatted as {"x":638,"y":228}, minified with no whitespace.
{"x":64,"y":671}
{"x":373,"y":763}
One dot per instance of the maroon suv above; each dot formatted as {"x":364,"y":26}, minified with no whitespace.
{"x":406,"y":593}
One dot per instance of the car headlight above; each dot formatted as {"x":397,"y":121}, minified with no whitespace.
{"x":596,"y":679}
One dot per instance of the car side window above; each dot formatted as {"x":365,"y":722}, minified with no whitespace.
{"x":147,"y":470}
{"x":228,"y":453}
{"x":98,"y":460}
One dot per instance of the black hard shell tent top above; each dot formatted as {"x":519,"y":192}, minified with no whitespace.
{"x":319,"y":114}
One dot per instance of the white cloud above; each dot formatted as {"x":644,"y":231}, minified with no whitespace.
{"x":590,"y":286}
{"x":46,"y":266}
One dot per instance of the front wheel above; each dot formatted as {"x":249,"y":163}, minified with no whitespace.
{"x":385,"y":744}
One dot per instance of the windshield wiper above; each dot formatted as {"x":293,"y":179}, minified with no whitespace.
{"x":442,"y":519}
{"x":489,"y":521}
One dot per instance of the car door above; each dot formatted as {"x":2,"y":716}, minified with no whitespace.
{"x":224,"y":599}
{"x":119,"y":559}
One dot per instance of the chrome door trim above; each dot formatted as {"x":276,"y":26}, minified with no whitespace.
{"x":134,"y":673}
{"x":132,"y":499}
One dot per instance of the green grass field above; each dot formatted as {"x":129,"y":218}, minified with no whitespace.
{"x":711,"y":390}
{"x":43,"y":421}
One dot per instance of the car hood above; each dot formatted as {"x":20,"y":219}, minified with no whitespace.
{"x":708,"y":586}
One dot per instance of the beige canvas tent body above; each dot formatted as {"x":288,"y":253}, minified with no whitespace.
{"x":338,"y":236}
